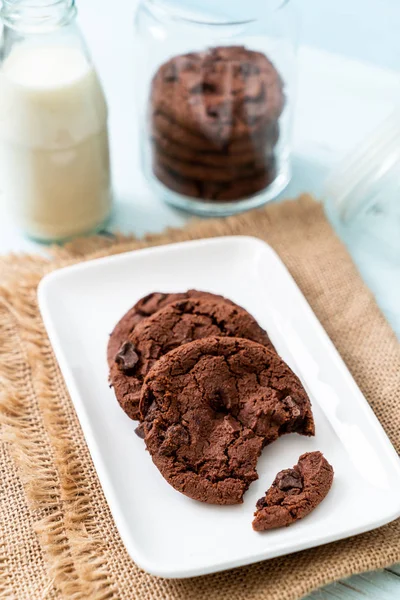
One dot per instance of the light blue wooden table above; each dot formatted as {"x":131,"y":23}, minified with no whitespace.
{"x":340,"y":100}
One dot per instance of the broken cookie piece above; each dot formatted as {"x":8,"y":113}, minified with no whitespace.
{"x":294,"y":493}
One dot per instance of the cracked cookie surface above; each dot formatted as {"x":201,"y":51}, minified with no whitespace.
{"x":144,"y":308}
{"x":210,"y":406}
{"x":176,"y":324}
{"x":294,"y":493}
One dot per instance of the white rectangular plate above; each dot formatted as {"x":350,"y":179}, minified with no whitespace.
{"x":166,"y":533}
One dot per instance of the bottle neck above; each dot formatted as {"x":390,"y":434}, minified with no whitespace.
{"x":37,"y":16}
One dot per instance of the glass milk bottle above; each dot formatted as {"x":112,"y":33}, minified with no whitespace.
{"x":54,"y":156}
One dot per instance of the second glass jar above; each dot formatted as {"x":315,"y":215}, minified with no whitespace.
{"x":215,"y":101}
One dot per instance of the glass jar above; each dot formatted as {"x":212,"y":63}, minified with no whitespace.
{"x":54,"y":156}
{"x":216,"y":89}
{"x":362,"y":193}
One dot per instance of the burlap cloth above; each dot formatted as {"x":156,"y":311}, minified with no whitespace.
{"x":58,"y":539}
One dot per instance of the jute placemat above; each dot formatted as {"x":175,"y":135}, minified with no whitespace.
{"x":58,"y":539}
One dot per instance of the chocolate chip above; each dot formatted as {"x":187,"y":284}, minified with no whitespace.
{"x":140,"y":431}
{"x":127,"y":358}
{"x":175,"y":437}
{"x":293,"y":407}
{"x":150,"y":303}
{"x":232,"y":423}
{"x":181,"y":305}
{"x":184,"y":436}
{"x":219,"y":401}
{"x":289,"y":479}
{"x":212,"y":111}
{"x":147,"y":403}
{"x":261,"y":503}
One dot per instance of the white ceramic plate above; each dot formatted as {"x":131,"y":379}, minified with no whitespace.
{"x":166,"y":533}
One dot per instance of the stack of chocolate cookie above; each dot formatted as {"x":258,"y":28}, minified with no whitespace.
{"x":214,"y":123}
{"x":208,"y":388}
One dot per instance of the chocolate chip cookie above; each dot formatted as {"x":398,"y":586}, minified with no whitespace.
{"x":236,"y":189}
{"x":257,"y":157}
{"x":176,"y":324}
{"x":146,"y":307}
{"x":224,"y":93}
{"x":201,"y":172}
{"x":208,"y":409}
{"x":294,"y":493}
{"x":170,"y":130}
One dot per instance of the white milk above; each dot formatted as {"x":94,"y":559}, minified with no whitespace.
{"x":54,"y":159}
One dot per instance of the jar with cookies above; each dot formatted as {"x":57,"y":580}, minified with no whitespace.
{"x":216,"y":89}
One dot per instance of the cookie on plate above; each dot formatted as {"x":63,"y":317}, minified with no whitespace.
{"x":210,"y":406}
{"x":294,"y":493}
{"x":176,"y":324}
{"x":146,"y":307}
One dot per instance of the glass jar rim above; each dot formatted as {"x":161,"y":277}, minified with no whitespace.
{"x":161,"y":6}
{"x":28,"y":4}
{"x":29,"y":14}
